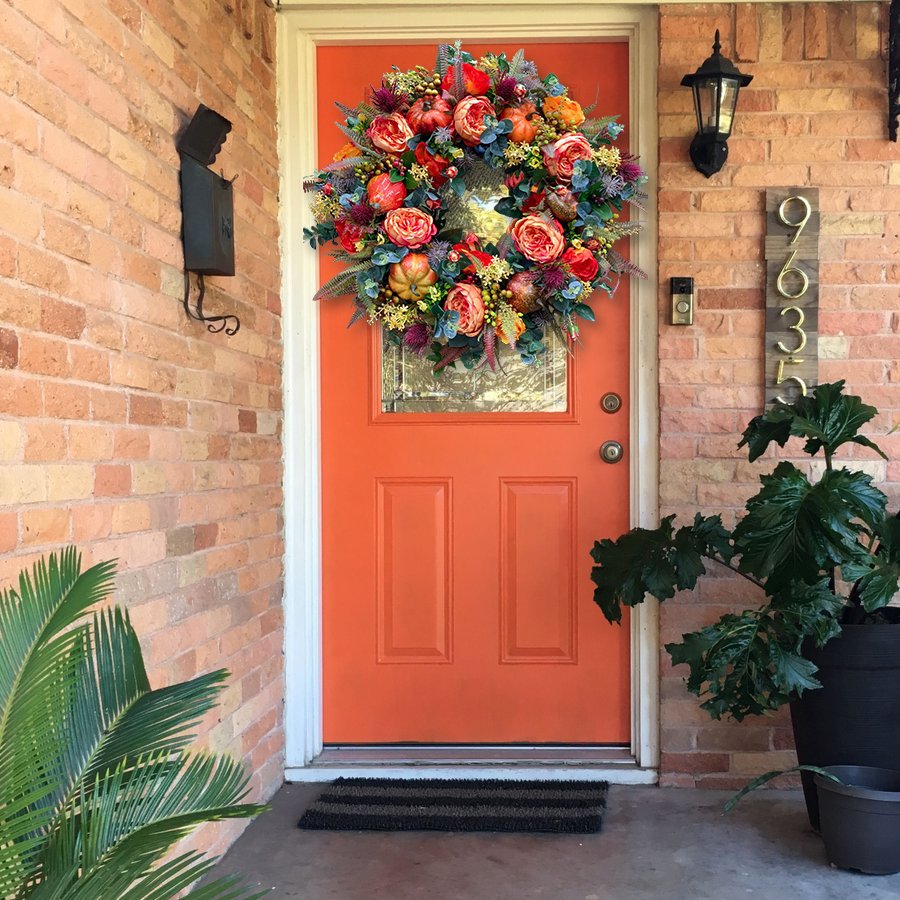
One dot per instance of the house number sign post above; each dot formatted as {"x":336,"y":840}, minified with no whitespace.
{"x":792,"y":292}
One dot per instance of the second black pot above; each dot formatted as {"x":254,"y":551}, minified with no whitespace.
{"x":854,"y":718}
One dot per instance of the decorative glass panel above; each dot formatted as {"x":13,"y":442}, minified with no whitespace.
{"x":473,"y":212}
{"x":408,"y":383}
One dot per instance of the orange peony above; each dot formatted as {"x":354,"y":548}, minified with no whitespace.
{"x":468,"y":118}
{"x":409,"y":227}
{"x":560,"y":156}
{"x":569,"y":112}
{"x":538,"y":239}
{"x":390,"y":133}
{"x":466,"y":300}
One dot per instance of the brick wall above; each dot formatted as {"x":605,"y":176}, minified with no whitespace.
{"x":125,"y":428}
{"x":814,"y":115}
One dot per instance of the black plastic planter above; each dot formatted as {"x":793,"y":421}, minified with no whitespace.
{"x":854,"y":719}
{"x":860,"y":818}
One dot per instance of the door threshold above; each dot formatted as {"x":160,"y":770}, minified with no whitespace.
{"x":614,"y":764}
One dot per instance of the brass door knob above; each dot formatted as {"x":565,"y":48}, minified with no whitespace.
{"x":611,"y":451}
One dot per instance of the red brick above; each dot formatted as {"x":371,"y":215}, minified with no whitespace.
{"x":9,"y":349}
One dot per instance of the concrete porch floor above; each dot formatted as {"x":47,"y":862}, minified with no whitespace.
{"x":665,"y":843}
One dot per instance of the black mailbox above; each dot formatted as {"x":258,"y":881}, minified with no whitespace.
{"x":207,"y":203}
{"x":207,"y":200}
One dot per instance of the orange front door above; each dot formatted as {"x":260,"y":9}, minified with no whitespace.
{"x":456,"y":575}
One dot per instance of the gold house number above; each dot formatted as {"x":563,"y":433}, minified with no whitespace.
{"x":787,"y":333}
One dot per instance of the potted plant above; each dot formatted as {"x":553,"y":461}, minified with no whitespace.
{"x":823,"y":556}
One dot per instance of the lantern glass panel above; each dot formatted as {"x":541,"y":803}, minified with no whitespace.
{"x":728,"y":103}
{"x":706,"y":93}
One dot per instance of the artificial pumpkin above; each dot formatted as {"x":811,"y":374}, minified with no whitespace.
{"x":525,"y":122}
{"x":428,"y":114}
{"x":409,"y":278}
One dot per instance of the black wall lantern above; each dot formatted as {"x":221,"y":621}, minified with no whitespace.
{"x":716,"y":85}
{"x":207,"y":207}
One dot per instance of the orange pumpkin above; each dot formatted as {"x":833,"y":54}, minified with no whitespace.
{"x":410,"y":277}
{"x":428,"y":114}
{"x":525,"y":122}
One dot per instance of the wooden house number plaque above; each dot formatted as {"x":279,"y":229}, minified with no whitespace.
{"x":792,"y":292}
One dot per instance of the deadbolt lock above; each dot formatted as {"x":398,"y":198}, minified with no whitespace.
{"x":611,"y":402}
{"x":611,"y":451}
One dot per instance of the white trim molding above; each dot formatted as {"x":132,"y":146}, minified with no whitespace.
{"x":302,"y":27}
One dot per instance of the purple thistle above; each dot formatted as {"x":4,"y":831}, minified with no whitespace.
{"x":443,"y":135}
{"x":417,"y":338}
{"x":554,"y":278}
{"x":387,"y":100}
{"x":631,"y":171}
{"x":506,"y":88}
{"x":360,"y":213}
{"x":437,"y":253}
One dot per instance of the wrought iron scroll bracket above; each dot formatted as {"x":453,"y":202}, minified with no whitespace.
{"x":215,"y":324}
{"x":894,"y":70}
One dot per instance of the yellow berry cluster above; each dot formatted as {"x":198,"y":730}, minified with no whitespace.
{"x":609,"y":157}
{"x":494,"y":298}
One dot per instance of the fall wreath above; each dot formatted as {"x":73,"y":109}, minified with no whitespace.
{"x":434,"y":159}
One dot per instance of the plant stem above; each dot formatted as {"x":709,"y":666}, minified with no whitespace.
{"x":734,"y":569}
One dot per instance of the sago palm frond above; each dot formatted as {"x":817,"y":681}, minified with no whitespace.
{"x":42,"y":649}
{"x":95,"y":783}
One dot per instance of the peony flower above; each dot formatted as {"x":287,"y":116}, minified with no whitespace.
{"x":475,"y":81}
{"x":538,"y":239}
{"x":468,"y":118}
{"x":466,"y":300}
{"x":390,"y":133}
{"x":433,"y":162}
{"x":409,"y":227}
{"x":560,"y":156}
{"x":582,"y":263}
{"x":568,"y":111}
{"x":384,"y":194}
{"x":349,"y":234}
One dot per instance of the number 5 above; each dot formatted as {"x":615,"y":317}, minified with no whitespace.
{"x":781,"y":378}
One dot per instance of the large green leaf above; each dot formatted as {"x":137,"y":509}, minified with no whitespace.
{"x":794,"y":530}
{"x":631,"y":567}
{"x":878,"y":575}
{"x":657,"y":562}
{"x":826,"y":417}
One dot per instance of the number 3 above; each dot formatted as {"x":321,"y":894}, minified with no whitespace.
{"x":801,"y":334}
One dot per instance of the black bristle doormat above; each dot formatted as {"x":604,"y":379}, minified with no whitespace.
{"x":435,"y":804}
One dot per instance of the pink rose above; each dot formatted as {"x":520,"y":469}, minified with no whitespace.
{"x":582,"y":263}
{"x":560,"y":156}
{"x":390,"y":133}
{"x":384,"y":194}
{"x":409,"y":227}
{"x":466,"y":300}
{"x":468,"y":118}
{"x":538,"y":239}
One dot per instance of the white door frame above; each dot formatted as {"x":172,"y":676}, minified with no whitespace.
{"x":302,"y":26}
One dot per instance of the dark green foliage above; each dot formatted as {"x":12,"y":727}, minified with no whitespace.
{"x":794,"y":540}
